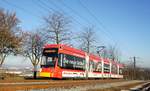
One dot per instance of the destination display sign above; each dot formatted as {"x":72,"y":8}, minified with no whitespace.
{"x":50,"y":51}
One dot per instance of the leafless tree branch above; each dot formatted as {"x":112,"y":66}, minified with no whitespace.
{"x":57,"y":28}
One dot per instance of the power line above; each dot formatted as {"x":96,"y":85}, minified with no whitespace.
{"x":89,"y":11}
{"x":55,"y":5}
{"x":65,"y":12}
{"x":71,"y":9}
{"x":44,"y":5}
{"x":22,"y":9}
{"x":41,"y":6}
{"x":75,"y":12}
{"x":97,"y":20}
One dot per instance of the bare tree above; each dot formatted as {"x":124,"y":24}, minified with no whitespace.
{"x":57,"y":28}
{"x":10,"y":35}
{"x":113,"y":53}
{"x":33,"y":49}
{"x":141,"y":73}
{"x":87,"y":39}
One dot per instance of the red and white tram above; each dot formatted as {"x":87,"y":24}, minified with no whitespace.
{"x":62,"y":61}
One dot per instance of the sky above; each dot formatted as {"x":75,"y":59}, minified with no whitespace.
{"x":123,"y":23}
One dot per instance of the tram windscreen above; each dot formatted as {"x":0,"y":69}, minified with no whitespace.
{"x":49,"y":57}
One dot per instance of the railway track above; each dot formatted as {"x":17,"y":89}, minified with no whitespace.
{"x":143,"y":87}
{"x":63,"y":84}
{"x":43,"y":84}
{"x":58,"y":82}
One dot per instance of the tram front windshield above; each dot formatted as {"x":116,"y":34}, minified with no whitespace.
{"x":49,"y":57}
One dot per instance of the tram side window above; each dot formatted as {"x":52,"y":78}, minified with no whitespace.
{"x":72,"y":62}
{"x":68,"y":62}
{"x":79,"y":63}
{"x":98,"y":67}
{"x":114,"y":69}
{"x":106,"y":68}
{"x":120,"y":71}
{"x":95,"y":66}
{"x":91,"y":66}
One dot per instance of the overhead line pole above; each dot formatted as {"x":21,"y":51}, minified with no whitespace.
{"x":134,"y":62}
